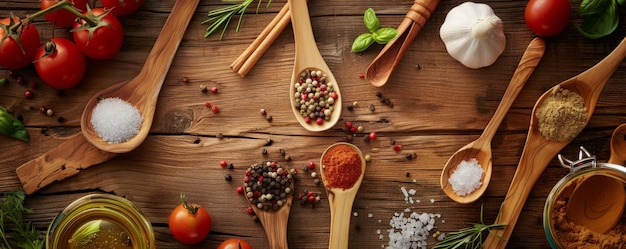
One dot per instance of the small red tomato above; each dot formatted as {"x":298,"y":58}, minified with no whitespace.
{"x":12,"y":55}
{"x":547,"y":17}
{"x":62,"y":18}
{"x":60,"y":64}
{"x":100,"y":42}
{"x":122,"y":7}
{"x":189,"y":223}
{"x":234,"y":243}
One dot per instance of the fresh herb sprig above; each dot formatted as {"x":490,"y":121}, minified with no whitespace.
{"x":223,"y":16}
{"x":375,"y":34}
{"x":470,"y":237}
{"x":14,"y":232}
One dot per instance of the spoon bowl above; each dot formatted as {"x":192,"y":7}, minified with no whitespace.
{"x":307,"y":56}
{"x":598,"y":201}
{"x":481,"y":147}
{"x":143,"y":90}
{"x":274,"y":223}
{"x":538,"y":150}
{"x":340,"y":201}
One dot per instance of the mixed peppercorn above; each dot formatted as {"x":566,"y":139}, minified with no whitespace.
{"x":267,"y":185}
{"x":314,"y":96}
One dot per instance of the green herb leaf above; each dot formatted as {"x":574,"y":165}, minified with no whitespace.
{"x":621,"y":2}
{"x":14,"y":231}
{"x":222,"y":17}
{"x":600,"y":24}
{"x":12,"y":127}
{"x":362,"y":42}
{"x":370,"y":20}
{"x":469,"y":237}
{"x":384,"y":35}
{"x":590,"y":7}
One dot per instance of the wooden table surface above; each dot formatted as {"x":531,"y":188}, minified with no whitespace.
{"x":438,"y":106}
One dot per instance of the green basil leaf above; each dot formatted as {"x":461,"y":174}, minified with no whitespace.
{"x":12,"y":127}
{"x":590,"y":7}
{"x":621,"y":2}
{"x":370,"y":20}
{"x":601,"y":24}
{"x":362,"y":42}
{"x":384,"y":35}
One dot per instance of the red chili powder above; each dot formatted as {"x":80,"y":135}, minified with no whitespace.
{"x":342,"y":166}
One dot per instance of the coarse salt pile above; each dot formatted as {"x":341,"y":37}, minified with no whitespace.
{"x":412,"y":231}
{"x":466,"y":178}
{"x":115,"y":120}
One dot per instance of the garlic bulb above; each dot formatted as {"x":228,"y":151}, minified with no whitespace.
{"x":473,"y":34}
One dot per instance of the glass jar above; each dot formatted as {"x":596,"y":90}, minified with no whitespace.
{"x":579,"y":171}
{"x":100,"y":221}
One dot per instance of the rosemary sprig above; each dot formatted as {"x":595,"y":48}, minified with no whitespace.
{"x":223,"y":16}
{"x":469,"y":237}
{"x":14,"y":231}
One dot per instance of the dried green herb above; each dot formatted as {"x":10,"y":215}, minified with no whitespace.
{"x":223,"y":16}
{"x":470,"y":237}
{"x":14,"y":231}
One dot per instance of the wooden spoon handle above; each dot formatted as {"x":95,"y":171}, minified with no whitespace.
{"x":530,"y":59}
{"x":379,"y":71}
{"x":61,"y":162}
{"x":340,"y":213}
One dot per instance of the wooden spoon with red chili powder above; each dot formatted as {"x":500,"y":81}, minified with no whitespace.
{"x":342,"y":169}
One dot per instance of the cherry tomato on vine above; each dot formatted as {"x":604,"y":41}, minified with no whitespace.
{"x":18,"y":53}
{"x":122,"y":7}
{"x":189,"y":223}
{"x":62,"y":18}
{"x":234,"y":243}
{"x":59,"y":63}
{"x":102,"y":41}
{"x":547,"y":17}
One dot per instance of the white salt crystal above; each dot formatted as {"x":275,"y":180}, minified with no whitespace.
{"x":115,"y":120}
{"x":466,"y":177}
{"x":412,"y":191}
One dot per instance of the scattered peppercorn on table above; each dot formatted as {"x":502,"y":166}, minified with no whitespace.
{"x":202,"y":142}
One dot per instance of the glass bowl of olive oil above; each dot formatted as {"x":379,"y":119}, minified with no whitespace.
{"x":102,"y":221}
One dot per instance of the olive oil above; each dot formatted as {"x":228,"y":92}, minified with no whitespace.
{"x":100,"y":234}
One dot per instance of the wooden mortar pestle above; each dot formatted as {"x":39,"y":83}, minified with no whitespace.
{"x":379,"y":71}
{"x":597,"y":203}
{"x":538,"y":150}
{"x":274,"y":222}
{"x":481,"y":147}
{"x":143,"y":90}
{"x":307,"y":56}
{"x":340,"y":201}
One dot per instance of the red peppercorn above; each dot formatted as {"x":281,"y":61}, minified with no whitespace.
{"x":311,"y":165}
{"x":274,"y":164}
{"x":309,"y":194}
{"x":319,"y":121}
{"x":311,"y":199}
{"x":28,"y":94}
{"x":373,"y":136}
{"x":361,"y":75}
{"x":20,"y":80}
{"x":207,"y":104}
{"x":397,"y":147}
{"x":307,"y":120}
{"x":214,"y":90}
{"x":43,"y":109}
{"x":348,"y":124}
{"x":215,"y":109}
{"x":240,"y":190}
{"x":223,"y":164}
{"x":184,"y":80}
{"x":334,"y":95}
{"x":250,"y":211}
{"x":353,"y":129}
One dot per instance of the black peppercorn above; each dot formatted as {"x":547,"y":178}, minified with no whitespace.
{"x":230,"y":166}
{"x":282,"y":152}
{"x":228,"y":177}
{"x":269,"y":142}
{"x":263,"y":151}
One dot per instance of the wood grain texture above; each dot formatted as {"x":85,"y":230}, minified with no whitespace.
{"x":438,"y":106}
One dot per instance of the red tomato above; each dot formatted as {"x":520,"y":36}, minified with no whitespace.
{"x":189,"y":223}
{"x":60,"y":64}
{"x":102,"y":41}
{"x":547,"y":17}
{"x":62,"y":18}
{"x":122,"y":7}
{"x":234,"y":243}
{"x":12,"y":55}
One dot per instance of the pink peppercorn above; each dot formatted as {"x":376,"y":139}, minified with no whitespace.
{"x":207,"y":104}
{"x":307,"y":120}
{"x":311,"y":165}
{"x":319,"y":121}
{"x":353,"y":129}
{"x":28,"y":94}
{"x":250,"y":211}
{"x":397,"y":147}
{"x":373,"y":136}
{"x":240,"y":190}
{"x":361,"y":75}
{"x":334,"y":95}
{"x":214,"y":90}
{"x":223,"y":164}
{"x":348,"y":124}
{"x":215,"y":109}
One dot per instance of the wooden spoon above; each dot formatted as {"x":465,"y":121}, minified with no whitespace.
{"x":538,"y":151}
{"x":274,"y":222}
{"x":308,"y":57}
{"x":481,"y":147}
{"x":379,"y":71}
{"x":142,"y":91}
{"x":340,"y":201}
{"x":597,"y":203}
